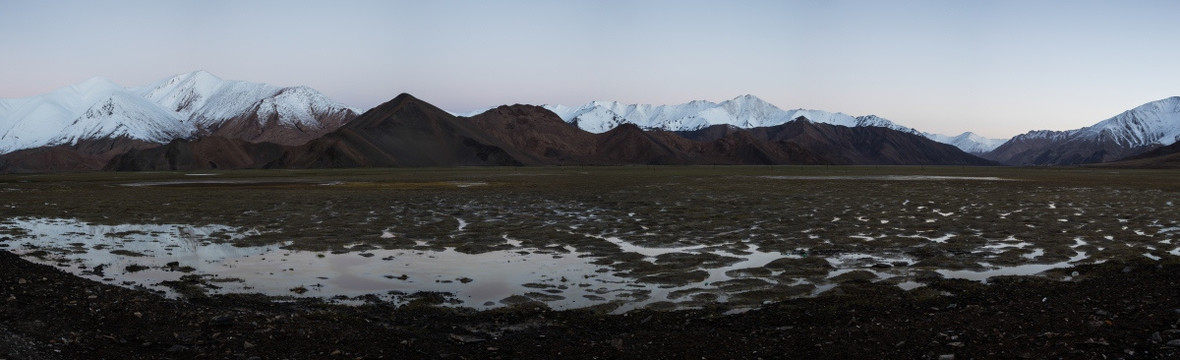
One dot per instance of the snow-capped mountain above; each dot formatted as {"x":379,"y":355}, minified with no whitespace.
{"x":93,"y":107}
{"x":209,"y":101}
{"x":183,"y":106}
{"x":968,"y":141}
{"x":746,"y":111}
{"x":1153,"y":123}
{"x":1147,"y":126}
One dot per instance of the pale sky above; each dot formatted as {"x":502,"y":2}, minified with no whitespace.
{"x":998,"y":68}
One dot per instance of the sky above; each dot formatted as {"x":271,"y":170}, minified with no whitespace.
{"x":998,"y":68}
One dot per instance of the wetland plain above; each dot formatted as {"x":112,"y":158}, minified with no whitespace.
{"x":609,"y":239}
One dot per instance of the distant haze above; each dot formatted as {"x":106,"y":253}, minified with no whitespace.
{"x":998,"y":68}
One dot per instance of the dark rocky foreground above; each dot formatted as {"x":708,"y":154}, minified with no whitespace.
{"x":1114,"y":310}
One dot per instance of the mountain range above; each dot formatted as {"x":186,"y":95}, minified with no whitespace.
{"x":408,"y":132}
{"x":746,"y":111}
{"x":197,"y":120}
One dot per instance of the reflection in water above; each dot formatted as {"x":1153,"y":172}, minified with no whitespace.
{"x":563,"y":277}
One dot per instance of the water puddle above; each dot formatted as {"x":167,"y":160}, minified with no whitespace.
{"x":146,"y":255}
{"x":561,"y":276}
{"x":649,"y":253}
{"x":1027,"y":269}
{"x":167,"y":183}
{"x":891,"y":178}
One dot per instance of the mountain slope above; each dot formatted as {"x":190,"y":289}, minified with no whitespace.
{"x":1143,"y":128}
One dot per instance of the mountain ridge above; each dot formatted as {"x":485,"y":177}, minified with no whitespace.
{"x":409,"y":132}
{"x":745,"y":111}
{"x":1140,"y":129}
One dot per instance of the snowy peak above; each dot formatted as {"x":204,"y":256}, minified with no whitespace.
{"x":209,"y":101}
{"x":969,"y":142}
{"x":300,"y":106}
{"x":874,"y":120}
{"x":1153,"y":123}
{"x":123,"y":115}
{"x":184,"y":93}
{"x":749,"y":111}
{"x":181,"y":106}
{"x":39,"y":120}
{"x":746,"y":111}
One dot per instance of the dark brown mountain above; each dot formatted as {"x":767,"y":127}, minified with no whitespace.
{"x":537,"y":135}
{"x":804,"y":142}
{"x":404,"y":132}
{"x":866,"y":145}
{"x":1063,"y":148}
{"x":212,"y":152}
{"x":408,"y":132}
{"x":1166,"y":157}
{"x":86,"y":155}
